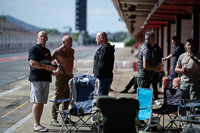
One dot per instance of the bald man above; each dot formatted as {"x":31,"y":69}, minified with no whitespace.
{"x":40,"y":77}
{"x":64,"y":56}
{"x":103,"y":63}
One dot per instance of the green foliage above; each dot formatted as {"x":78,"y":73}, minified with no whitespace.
{"x":117,"y":36}
{"x":75,"y":36}
{"x":52,"y":31}
{"x":91,"y":40}
{"x":3,"y":18}
{"x":130,"y":42}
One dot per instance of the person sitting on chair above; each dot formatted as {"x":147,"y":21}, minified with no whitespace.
{"x":176,"y":83}
{"x":132,"y":82}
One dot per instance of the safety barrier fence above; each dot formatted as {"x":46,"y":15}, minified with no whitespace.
{"x":16,"y":41}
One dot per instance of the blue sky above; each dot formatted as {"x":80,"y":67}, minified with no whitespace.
{"x":101,"y":14}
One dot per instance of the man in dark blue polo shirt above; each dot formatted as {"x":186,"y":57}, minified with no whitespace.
{"x":179,"y":49}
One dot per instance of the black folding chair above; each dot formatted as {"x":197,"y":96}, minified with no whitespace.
{"x":187,"y":114}
{"x":119,"y":114}
{"x":169,"y":108}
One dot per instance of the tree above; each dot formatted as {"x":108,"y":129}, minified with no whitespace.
{"x":130,"y":42}
{"x":75,"y":36}
{"x":118,"y":36}
{"x":52,"y":31}
{"x":3,"y":18}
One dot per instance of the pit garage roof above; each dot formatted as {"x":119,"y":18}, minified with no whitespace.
{"x":147,"y":14}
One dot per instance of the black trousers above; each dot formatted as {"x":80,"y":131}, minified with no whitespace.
{"x":154,"y":82}
{"x":132,"y":82}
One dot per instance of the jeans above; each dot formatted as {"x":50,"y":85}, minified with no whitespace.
{"x":105,"y":84}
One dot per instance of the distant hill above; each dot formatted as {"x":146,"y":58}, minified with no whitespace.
{"x":25,"y":26}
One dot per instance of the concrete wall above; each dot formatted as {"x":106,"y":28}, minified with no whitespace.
{"x":186,"y":30}
{"x":173,"y":32}
{"x":15,"y":41}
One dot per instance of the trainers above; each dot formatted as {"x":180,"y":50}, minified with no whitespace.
{"x":124,"y":91}
{"x":156,"y":102}
{"x":55,"y":123}
{"x":133,"y":92}
{"x":111,"y":89}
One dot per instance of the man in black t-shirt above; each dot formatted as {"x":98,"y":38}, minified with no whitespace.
{"x":40,"y":77}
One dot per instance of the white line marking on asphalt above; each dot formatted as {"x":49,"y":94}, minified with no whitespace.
{"x":22,"y":77}
{"x":9,"y":91}
{"x":18,"y":124}
{"x":21,"y":122}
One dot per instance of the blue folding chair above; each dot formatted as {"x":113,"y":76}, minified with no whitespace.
{"x":84,"y":91}
{"x":144,"y":97}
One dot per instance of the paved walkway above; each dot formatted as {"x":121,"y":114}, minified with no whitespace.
{"x":121,"y":78}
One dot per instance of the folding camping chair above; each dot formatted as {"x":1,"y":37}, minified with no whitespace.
{"x":144,"y":96}
{"x":172,"y":97}
{"x":119,"y":114}
{"x":188,"y":117}
{"x":83,"y":96}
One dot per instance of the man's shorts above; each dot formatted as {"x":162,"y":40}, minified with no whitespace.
{"x":39,"y":92}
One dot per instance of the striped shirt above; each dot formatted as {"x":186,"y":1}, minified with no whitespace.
{"x":144,"y":53}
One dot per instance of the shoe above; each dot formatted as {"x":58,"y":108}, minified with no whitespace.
{"x":156,"y":102}
{"x":133,"y":92}
{"x":142,"y":124}
{"x":55,"y":123}
{"x":110,"y":89}
{"x":42,"y":129}
{"x":124,"y":91}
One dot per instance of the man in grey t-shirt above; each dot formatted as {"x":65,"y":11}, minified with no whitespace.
{"x":189,"y":66}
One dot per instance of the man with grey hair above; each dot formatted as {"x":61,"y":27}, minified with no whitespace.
{"x":144,"y":61}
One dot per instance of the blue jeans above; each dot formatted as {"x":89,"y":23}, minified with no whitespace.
{"x":105,"y":84}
